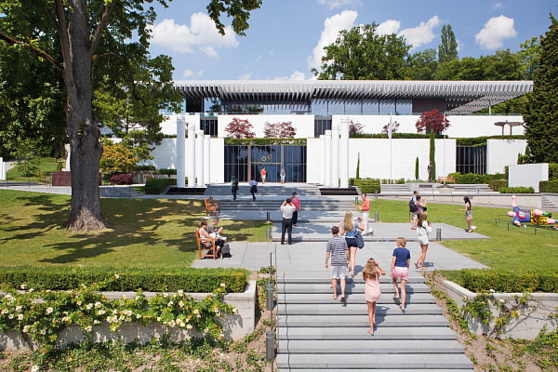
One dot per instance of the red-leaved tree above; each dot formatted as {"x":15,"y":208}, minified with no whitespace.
{"x":238,"y":128}
{"x":355,"y":128}
{"x":394,"y":128}
{"x":279,"y":130}
{"x":433,"y":122}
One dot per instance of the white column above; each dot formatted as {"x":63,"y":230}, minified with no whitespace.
{"x":335,"y":155}
{"x":206,"y":159}
{"x":344,"y":153}
{"x":327,"y":158}
{"x":200,"y":174}
{"x":322,"y":159}
{"x":180,"y":152}
{"x":191,"y":155}
{"x":2,"y":169}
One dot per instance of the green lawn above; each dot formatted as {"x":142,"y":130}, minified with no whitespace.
{"x":46,"y":165}
{"x":510,"y":250}
{"x":144,"y":232}
{"x":148,"y":232}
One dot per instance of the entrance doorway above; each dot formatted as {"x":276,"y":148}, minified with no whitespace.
{"x":246,"y":162}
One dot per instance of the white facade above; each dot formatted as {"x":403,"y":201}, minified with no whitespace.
{"x":499,"y":154}
{"x":528,"y":175}
{"x":460,"y":125}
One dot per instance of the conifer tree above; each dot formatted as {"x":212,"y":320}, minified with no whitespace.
{"x":447,"y":50}
{"x":541,"y":118}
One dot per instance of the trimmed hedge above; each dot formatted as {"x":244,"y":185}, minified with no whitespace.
{"x":129,"y":280}
{"x":145,"y":167}
{"x":497,"y":185}
{"x":157,"y":185}
{"x":482,"y":280}
{"x":517,"y":190}
{"x":166,"y":171}
{"x":369,"y":186}
{"x":548,"y":186}
{"x":473,"y":178}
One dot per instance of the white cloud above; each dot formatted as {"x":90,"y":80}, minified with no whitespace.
{"x":332,"y":4}
{"x":297,"y":75}
{"x":189,"y":74}
{"x":497,"y":5}
{"x":495,"y":31}
{"x":422,"y":34}
{"x":332,"y":26}
{"x":391,"y":26}
{"x":258,"y":59}
{"x":200,"y":36}
{"x":246,"y":76}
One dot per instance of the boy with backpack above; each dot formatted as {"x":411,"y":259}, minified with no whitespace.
{"x":413,"y":209}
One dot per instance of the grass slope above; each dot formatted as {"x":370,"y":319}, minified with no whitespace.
{"x":515,"y":249}
{"x":145,"y":232}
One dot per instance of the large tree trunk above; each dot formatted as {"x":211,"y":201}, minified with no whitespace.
{"x":82,"y":128}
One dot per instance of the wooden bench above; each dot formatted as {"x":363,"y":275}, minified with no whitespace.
{"x":447,"y":179}
{"x":203,"y":250}
{"x":212,"y":207}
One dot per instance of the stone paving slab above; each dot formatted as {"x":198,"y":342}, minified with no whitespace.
{"x":306,"y":259}
{"x":373,"y":346}
{"x":321,"y":231}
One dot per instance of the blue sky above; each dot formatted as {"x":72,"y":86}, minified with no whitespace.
{"x":286,"y":37}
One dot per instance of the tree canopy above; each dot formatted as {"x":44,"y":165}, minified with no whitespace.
{"x":541,"y":118}
{"x":361,"y":54}
{"x":99,"y":49}
{"x":447,"y":50}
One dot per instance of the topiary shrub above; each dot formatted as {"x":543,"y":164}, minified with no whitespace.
{"x":496,"y":185}
{"x":548,"y":186}
{"x":517,"y":190}
{"x":482,"y":280}
{"x":157,"y":185}
{"x":121,"y":179}
{"x":166,"y":171}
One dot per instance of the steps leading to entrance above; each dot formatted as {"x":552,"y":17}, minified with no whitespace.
{"x":274,"y":205}
{"x":267,"y":189}
{"x":317,"y":333}
{"x":547,"y":205}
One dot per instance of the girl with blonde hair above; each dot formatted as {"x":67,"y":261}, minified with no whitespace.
{"x":423,"y":229}
{"x":371,"y":275}
{"x":349,"y":228}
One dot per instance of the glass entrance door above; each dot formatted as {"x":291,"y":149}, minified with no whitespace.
{"x":247,"y":161}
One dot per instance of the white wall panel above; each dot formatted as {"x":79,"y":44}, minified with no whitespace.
{"x":500,"y":153}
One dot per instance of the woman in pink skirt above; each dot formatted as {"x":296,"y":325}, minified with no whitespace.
{"x":371,"y":275}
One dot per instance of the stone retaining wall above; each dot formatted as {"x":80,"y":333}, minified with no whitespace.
{"x":533,"y":316}
{"x":236,"y":326}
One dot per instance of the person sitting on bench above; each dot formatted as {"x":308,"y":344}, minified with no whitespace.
{"x":205,"y":235}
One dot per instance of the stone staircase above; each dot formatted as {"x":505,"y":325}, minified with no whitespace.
{"x":301,"y":189}
{"x":317,"y":333}
{"x":548,"y":205}
{"x":273,"y":205}
{"x":402,"y":189}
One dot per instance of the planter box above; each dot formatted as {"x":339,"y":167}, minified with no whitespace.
{"x":533,"y":316}
{"x":235,"y":326}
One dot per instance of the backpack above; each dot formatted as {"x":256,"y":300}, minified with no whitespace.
{"x":412,"y":206}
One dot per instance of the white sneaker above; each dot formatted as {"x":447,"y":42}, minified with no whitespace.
{"x":473,"y":227}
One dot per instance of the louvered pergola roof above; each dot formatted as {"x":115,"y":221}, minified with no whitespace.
{"x":461,"y":97}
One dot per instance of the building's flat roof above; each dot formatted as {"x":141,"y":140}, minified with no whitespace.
{"x":464,"y":96}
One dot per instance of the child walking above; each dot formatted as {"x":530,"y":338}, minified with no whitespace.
{"x":371,"y":275}
{"x":400,"y":270}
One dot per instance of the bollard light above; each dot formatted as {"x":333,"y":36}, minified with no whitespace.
{"x":377,"y":218}
{"x":270,"y":345}
{"x":268,"y":233}
{"x":270,"y":304}
{"x":438,"y":235}
{"x":375,"y":194}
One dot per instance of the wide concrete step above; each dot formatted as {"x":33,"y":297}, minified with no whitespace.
{"x":326,"y":298}
{"x":294,"y":278}
{"x":357,"y":308}
{"x":370,"y":346}
{"x":324,"y":288}
{"x":286,"y":362}
{"x":382,"y":333}
{"x":393,"y":319}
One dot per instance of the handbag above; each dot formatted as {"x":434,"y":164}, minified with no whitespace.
{"x":359,"y":240}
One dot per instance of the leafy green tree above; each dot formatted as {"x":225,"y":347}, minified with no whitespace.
{"x":28,"y":154}
{"x":541,"y":118}
{"x":447,"y":50}
{"x":29,"y":106}
{"x":89,"y":43}
{"x":422,"y":65}
{"x":503,"y":65}
{"x":117,"y":158}
{"x":529,"y":55}
{"x":361,"y":54}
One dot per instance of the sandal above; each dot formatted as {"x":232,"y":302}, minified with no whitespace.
{"x":342,"y":298}
{"x":416,"y":265}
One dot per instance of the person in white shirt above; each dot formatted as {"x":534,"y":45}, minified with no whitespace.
{"x":423,"y":229}
{"x":288,"y":209}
